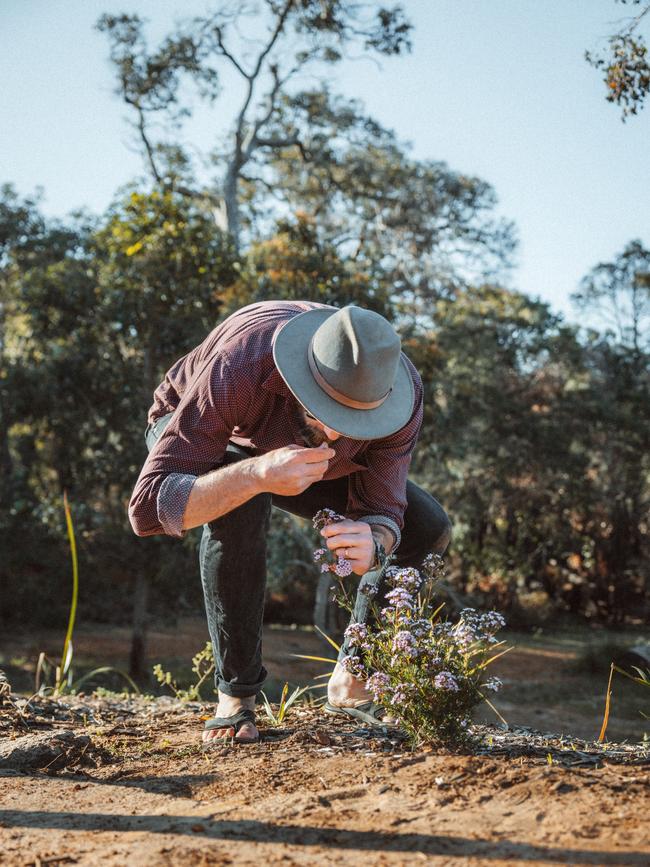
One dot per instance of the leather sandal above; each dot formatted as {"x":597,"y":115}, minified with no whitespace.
{"x":368,"y":712}
{"x":235,"y":721}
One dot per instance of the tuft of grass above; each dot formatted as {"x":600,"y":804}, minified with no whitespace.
{"x":284,"y":705}
{"x":63,"y":674}
{"x":642,"y":678}
{"x":66,"y":656}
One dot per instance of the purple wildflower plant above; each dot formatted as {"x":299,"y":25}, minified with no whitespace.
{"x":425,"y":670}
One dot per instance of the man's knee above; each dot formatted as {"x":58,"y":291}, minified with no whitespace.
{"x":426,"y":523}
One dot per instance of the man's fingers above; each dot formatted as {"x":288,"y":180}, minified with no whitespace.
{"x":351,"y":541}
{"x":314,"y":456}
{"x":347,"y":526}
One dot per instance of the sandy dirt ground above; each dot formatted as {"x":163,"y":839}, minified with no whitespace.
{"x":117,"y":782}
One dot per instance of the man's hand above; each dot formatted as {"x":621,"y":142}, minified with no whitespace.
{"x":291,"y":470}
{"x":352,"y":540}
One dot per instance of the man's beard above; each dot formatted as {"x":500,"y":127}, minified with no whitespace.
{"x":312,"y":437}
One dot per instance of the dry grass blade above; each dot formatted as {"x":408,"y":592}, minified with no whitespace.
{"x":490,"y":705}
{"x":603,"y":728}
{"x":331,"y":641}
{"x":314,"y":658}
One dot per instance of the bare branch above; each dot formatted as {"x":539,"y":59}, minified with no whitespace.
{"x":142,"y":129}
{"x":225,"y":53}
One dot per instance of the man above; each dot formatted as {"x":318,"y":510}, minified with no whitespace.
{"x":302,"y":406}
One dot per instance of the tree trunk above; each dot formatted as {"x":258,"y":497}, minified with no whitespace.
{"x":139,"y":631}
{"x":232,"y":205}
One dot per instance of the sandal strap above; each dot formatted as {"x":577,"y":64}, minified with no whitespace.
{"x":235,"y":721}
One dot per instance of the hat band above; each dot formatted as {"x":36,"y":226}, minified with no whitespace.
{"x":337,"y":395}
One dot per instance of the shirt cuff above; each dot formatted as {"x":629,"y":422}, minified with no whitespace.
{"x":385,"y":522}
{"x":172,"y":500}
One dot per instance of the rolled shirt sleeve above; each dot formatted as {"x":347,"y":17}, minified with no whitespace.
{"x":172,"y":499}
{"x":193,"y":443}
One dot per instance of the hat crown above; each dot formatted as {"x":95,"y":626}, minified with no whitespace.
{"x":357,"y":353}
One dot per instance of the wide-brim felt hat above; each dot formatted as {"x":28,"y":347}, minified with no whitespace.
{"x":347,"y":369}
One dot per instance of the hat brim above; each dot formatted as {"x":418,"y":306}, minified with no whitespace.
{"x":290,"y":356}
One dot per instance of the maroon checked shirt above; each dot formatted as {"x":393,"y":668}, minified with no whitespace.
{"x":229,"y":389}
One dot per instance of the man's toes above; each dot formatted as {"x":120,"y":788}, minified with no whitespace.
{"x":211,"y":734}
{"x":247,"y":732}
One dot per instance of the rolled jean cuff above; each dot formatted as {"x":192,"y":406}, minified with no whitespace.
{"x":242,"y":690}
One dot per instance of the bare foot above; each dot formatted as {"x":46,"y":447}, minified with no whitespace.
{"x":344,"y":690}
{"x":228,"y":706}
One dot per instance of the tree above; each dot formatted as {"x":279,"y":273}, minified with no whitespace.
{"x":500,"y":444}
{"x":418,"y":227}
{"x":300,"y":35}
{"x":627,"y":66}
{"x":617,"y":294}
{"x":98,"y":312}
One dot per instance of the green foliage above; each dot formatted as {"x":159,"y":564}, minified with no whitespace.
{"x":202,"y":667}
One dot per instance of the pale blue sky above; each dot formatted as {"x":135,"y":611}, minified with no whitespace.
{"x":496,"y":88}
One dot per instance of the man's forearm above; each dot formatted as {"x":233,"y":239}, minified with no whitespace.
{"x":219,"y":492}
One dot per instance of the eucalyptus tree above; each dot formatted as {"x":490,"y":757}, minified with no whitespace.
{"x":417,"y":227}
{"x":261,"y":49}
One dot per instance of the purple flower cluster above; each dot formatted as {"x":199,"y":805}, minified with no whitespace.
{"x":433,"y":566}
{"x":357,"y":635}
{"x":330,"y":562}
{"x":446,"y":680}
{"x":400,"y":694}
{"x":493,"y":683}
{"x":475,"y":627}
{"x":342,"y":567}
{"x":378,"y":684}
{"x":326,"y":516}
{"x":400,"y":598}
{"x":408,"y":579}
{"x":354,"y":666}
{"x":405,"y":643}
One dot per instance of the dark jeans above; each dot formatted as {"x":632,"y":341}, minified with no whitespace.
{"x":233,"y":566}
